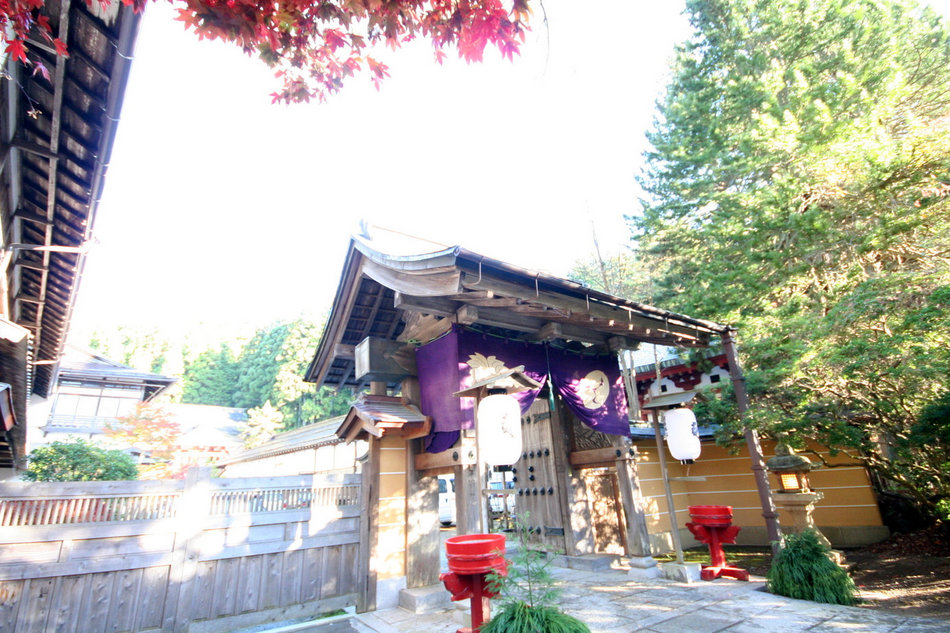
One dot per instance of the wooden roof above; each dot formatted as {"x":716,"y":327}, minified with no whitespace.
{"x":54,"y":152}
{"x":379,"y":415}
{"x":416,"y":298}
{"x":84,"y":366}
{"x":307,"y":437}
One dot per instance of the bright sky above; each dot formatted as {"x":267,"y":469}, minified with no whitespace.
{"x":221,"y":208}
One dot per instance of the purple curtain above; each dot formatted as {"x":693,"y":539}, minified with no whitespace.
{"x":591,"y":386}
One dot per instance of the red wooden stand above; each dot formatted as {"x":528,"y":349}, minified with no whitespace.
{"x":713,"y":526}
{"x":471,"y":557}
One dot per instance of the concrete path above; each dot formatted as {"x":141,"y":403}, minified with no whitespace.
{"x":610,"y":601}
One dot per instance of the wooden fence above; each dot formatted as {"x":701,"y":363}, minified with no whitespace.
{"x":201,"y":555}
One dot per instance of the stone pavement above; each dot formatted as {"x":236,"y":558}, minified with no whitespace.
{"x":610,"y":601}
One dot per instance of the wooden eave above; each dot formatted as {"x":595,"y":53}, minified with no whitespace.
{"x":55,"y":148}
{"x":380,"y":416}
{"x":454,"y":286}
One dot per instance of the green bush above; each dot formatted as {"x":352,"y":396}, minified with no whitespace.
{"x":79,"y":461}
{"x":527,"y":596}
{"x":804,"y":569}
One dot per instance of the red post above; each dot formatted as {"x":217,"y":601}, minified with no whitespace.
{"x":471,"y":557}
{"x":713,"y":526}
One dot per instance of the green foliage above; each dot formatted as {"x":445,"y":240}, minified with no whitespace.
{"x":943,"y":511}
{"x":271,"y":369}
{"x":79,"y":461}
{"x":262,"y":424}
{"x":804,"y":570}
{"x":527,"y":596}
{"x":799,"y":187}
{"x":518,"y":617}
{"x":625,"y":275}
{"x":210,"y":378}
{"x":143,"y":348}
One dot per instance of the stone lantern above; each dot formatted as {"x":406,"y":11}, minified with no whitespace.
{"x":794,"y":494}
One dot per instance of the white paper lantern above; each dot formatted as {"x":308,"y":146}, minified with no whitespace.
{"x":681,"y":436}
{"x":499,"y":430}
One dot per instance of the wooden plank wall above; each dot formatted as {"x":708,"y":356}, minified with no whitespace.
{"x":214,"y":554}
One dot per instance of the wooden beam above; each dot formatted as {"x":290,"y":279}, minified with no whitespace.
{"x":426,"y":329}
{"x":621,"y":343}
{"x":550,"y":331}
{"x":495,"y":317}
{"x":597,"y":456}
{"x":574,"y":305}
{"x":459,"y":455}
{"x":32,"y":148}
{"x":466,"y":315}
{"x":436,"y":306}
{"x":29,"y":216}
{"x":342,"y":350}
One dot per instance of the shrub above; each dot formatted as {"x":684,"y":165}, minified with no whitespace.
{"x":528,"y":596}
{"x":804,"y":569}
{"x":79,"y":461}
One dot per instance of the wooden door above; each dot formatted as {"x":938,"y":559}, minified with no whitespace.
{"x":605,"y":510}
{"x":538,"y":498}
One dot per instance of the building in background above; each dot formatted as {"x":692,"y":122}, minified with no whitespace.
{"x":91,"y":392}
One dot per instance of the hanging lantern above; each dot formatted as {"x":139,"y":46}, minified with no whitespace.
{"x":682,"y":437}
{"x":499,"y":430}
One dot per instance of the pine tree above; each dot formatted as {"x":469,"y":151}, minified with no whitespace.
{"x":798,"y":186}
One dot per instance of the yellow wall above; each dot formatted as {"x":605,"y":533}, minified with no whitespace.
{"x":849,"y":504}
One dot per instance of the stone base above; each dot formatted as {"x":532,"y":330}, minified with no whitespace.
{"x":462,"y":614}
{"x":686,"y":572}
{"x":387,"y":592}
{"x":643,"y":567}
{"x":590,"y":562}
{"x":429,"y":599}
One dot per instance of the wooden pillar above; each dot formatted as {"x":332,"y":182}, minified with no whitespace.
{"x":638,"y":536}
{"x":752,"y":442}
{"x":193,"y":507}
{"x":469,"y":482}
{"x":369,"y":528}
{"x":422,"y":511}
{"x":468,"y":493}
{"x":670,"y":504}
{"x":575,"y":512}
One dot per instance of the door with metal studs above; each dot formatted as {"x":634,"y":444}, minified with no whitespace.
{"x":537,"y":494}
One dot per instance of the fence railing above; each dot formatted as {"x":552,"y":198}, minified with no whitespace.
{"x":204,"y":554}
{"x":26,"y":503}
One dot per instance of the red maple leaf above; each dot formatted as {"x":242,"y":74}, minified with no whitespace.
{"x":60,"y":48}
{"x":17,"y":51}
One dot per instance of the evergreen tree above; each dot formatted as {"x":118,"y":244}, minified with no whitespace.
{"x":799,"y":188}
{"x":263,"y":423}
{"x":210,"y":378}
{"x":258,"y":366}
{"x":272,"y":366}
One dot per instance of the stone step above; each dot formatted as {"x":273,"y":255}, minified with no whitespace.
{"x":425,"y":599}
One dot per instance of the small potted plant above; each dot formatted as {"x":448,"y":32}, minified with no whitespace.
{"x":527,"y":596}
